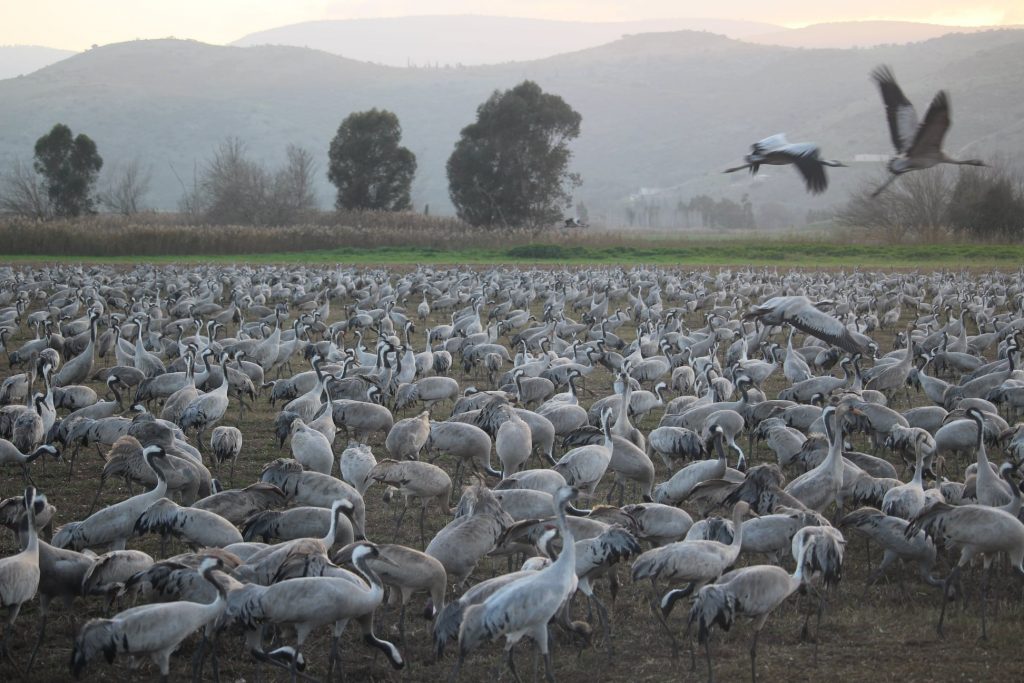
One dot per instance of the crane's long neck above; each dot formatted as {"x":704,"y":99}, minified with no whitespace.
{"x":918,"y":479}
{"x":982,"y":455}
{"x":566,"y":561}
{"x":908,"y":357}
{"x":371,"y":577}
{"x":798,"y":574}
{"x":213,"y":609}
{"x":32,"y":546}
{"x":222,"y":389}
{"x":332,"y":530}
{"x":627,"y":394}
{"x":737,"y":525}
{"x":160,"y":490}
{"x":834,"y":459}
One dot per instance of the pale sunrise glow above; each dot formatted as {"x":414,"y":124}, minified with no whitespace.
{"x":77,"y":25}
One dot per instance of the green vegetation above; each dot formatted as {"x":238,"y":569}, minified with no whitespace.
{"x":70,"y":166}
{"x":371,"y":170}
{"x":698,"y":253}
{"x":510,"y":168}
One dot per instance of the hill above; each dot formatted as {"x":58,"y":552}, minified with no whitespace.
{"x":471,"y":39}
{"x":662,"y":113}
{"x":848,"y":34}
{"x":17,"y":60}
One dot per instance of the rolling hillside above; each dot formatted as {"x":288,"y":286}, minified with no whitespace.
{"x":662,"y":113}
{"x":474,"y":40}
{"x":847,"y":34}
{"x":18,"y":60}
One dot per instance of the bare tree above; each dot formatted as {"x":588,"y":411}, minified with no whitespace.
{"x":233,"y":185}
{"x":125,"y":187}
{"x":292,"y":194}
{"x":232,"y":188}
{"x":916,"y":208}
{"x":23,"y":193}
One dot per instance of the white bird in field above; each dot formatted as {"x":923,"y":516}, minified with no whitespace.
{"x":918,"y":145}
{"x":778,"y":151}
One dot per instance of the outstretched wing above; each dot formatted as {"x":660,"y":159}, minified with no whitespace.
{"x":823,"y":326}
{"x":928,"y":139}
{"x":770,"y":144}
{"x":805,"y":156}
{"x":899,"y":111}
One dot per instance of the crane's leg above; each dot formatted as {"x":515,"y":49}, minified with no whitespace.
{"x":951,"y":579}
{"x":333,"y":657}
{"x":214,"y":661}
{"x":71,"y":462}
{"x":881,"y":189}
{"x":753,"y":656}
{"x":985,"y":578}
{"x":540,"y":636}
{"x":693,"y":653}
{"x":12,"y":615}
{"x":737,"y":168}
{"x":817,"y":624}
{"x":805,"y":631}
{"x":401,"y":625}
{"x":707,"y":658}
{"x":602,"y":614}
{"x":43,"y":612}
{"x":398,"y":521}
{"x":198,"y":657}
{"x":95,"y":498}
{"x":454,"y":675}
{"x":661,"y":618}
{"x":510,"y":659}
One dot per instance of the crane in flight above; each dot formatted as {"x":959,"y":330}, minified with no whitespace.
{"x":918,"y":145}
{"x":778,"y":151}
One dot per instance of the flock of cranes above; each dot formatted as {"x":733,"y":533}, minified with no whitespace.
{"x":560,"y":431}
{"x":918,"y":145}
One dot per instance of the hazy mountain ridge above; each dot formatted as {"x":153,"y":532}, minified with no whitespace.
{"x":659,"y":110}
{"x":473,"y":39}
{"x":18,"y":60}
{"x":849,"y":34}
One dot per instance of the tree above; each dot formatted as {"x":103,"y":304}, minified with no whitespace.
{"x":913,"y":208}
{"x":371,"y":170}
{"x":125,"y":187}
{"x":234,"y":189}
{"x":988,"y":203}
{"x":24,"y":194}
{"x":510,"y":167}
{"x":292,"y":193}
{"x":69,"y":166}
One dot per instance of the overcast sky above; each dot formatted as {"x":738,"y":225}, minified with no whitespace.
{"x":77,"y":24}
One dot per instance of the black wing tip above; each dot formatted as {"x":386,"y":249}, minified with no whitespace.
{"x":941,"y":100}
{"x":883,"y":75}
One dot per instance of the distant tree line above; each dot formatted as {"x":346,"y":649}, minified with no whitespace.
{"x":509,"y":169}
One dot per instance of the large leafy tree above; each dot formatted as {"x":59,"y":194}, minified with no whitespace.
{"x":70,"y":166}
{"x":510,"y":167}
{"x":368,"y":164}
